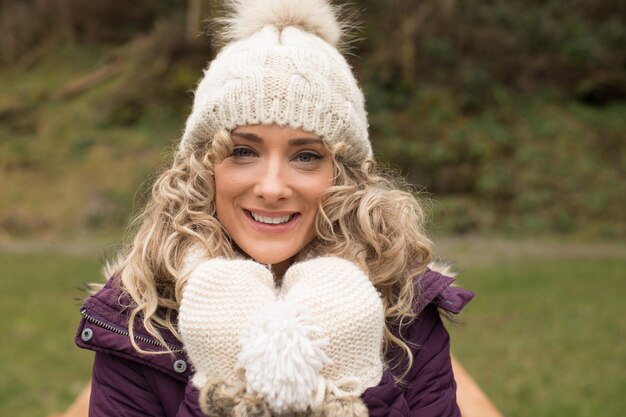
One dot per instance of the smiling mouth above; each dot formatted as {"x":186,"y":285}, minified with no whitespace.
{"x":271,"y":220}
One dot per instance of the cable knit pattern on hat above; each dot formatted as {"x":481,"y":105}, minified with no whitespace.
{"x":217,"y":302}
{"x":282,"y":74}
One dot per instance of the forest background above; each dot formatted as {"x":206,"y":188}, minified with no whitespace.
{"x":509,"y":115}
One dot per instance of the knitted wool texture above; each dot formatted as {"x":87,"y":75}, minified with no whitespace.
{"x":285,"y":73}
{"x":318,"y":346}
{"x":338,"y":308}
{"x":217,"y":302}
{"x":282,"y":353}
{"x":341,"y":299}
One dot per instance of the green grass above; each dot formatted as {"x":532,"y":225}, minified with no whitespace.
{"x":544,"y":337}
{"x":42,"y":370}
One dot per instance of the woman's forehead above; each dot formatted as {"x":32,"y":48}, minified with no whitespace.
{"x":263,"y":131}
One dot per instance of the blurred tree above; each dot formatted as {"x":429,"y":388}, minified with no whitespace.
{"x":66,"y":19}
{"x":8,"y":41}
{"x":510,"y":110}
{"x":194,"y":20}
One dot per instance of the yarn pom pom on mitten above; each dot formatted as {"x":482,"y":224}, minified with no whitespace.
{"x":343,"y":301}
{"x":282,"y":354}
{"x":217,"y":302}
{"x":318,"y":346}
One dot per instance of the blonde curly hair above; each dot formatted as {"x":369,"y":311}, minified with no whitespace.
{"x":366,"y":216}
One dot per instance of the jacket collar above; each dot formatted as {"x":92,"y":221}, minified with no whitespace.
{"x":436,"y":288}
{"x":104,"y":328}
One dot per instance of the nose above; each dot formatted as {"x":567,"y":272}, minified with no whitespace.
{"x":273,"y":185}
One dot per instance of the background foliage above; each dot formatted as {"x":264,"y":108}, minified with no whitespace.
{"x":511,"y":113}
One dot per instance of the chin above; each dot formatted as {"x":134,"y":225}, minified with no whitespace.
{"x":270,"y":259}
{"x":271,"y":255}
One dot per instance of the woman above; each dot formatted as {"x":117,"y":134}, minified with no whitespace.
{"x":274,"y":271}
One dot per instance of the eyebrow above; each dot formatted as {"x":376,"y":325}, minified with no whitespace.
{"x":305,"y":141}
{"x":295,"y":141}
{"x":248,"y":136}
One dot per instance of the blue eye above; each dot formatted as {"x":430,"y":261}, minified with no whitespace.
{"x":242,"y":153}
{"x":307,"y":157}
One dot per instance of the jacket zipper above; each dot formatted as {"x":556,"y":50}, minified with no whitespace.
{"x":123,"y":332}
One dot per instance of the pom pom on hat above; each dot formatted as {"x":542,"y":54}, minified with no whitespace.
{"x":249,"y":16}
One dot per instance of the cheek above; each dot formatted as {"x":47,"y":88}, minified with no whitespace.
{"x":219,"y":186}
{"x":225,"y":191}
{"x":315,"y":189}
{"x":232,"y":186}
{"x":316,"y":192}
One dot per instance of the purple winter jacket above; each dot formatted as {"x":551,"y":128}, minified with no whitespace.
{"x":126,"y":383}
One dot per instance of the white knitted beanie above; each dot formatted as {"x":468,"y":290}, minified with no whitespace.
{"x":281,"y":67}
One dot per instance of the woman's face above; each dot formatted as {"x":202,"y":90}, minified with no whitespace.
{"x":267,"y":192}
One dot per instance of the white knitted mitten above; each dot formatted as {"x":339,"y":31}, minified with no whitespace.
{"x":218,"y":300}
{"x":318,"y":347}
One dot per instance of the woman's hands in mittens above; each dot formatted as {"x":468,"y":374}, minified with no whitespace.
{"x":318,"y":346}
{"x":343,"y":301}
{"x":218,"y":300}
{"x":312,"y":349}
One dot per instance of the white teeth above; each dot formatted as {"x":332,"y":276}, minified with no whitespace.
{"x":271,"y":220}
